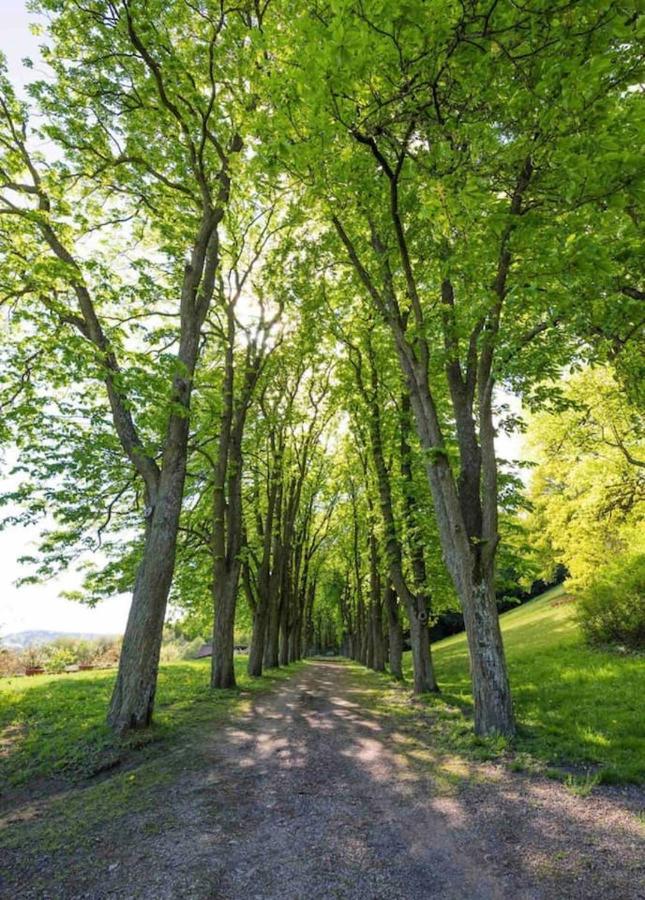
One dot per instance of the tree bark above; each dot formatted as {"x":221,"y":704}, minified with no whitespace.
{"x":256,"y":650}
{"x":271,"y":644}
{"x":224,"y":596}
{"x":395,"y":633}
{"x":133,"y":696}
{"x":475,"y":584}
{"x":376,"y":619}
{"x":423,"y":671}
{"x":283,"y":656}
{"x":262,"y":603}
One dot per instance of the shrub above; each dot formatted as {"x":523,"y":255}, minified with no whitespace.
{"x":10,"y":663}
{"x":58,"y":658}
{"x":170,"y":652}
{"x":32,"y":656}
{"x":611,"y":608}
{"x":85,"y":651}
{"x":180,"y":648}
{"x":108,"y":652}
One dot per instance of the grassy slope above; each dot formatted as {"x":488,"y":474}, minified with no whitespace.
{"x":573,"y":704}
{"x":55,"y":724}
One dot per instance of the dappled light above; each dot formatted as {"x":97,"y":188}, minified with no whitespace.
{"x":321,"y":388}
{"x":327,"y":771}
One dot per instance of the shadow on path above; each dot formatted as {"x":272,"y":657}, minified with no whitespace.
{"x":309,"y":795}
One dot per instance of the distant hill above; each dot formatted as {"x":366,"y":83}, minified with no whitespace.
{"x":22,"y":639}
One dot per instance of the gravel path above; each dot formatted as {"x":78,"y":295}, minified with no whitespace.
{"x":310,"y":796}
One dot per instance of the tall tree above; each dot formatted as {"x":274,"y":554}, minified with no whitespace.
{"x":413,"y":592}
{"x":147,"y":122}
{"x":443,"y":150}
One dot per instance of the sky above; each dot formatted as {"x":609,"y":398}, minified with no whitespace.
{"x":39,"y":607}
{"x":16,"y":41}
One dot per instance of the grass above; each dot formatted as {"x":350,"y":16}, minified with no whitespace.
{"x":579,"y":710}
{"x":54,"y":743}
{"x":575,"y":706}
{"x":54,"y":725}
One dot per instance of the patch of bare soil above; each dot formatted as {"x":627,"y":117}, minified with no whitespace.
{"x":309,"y":795}
{"x":9,"y":736}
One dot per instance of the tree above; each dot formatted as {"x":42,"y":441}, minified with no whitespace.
{"x":227,"y":527}
{"x":443,"y":150}
{"x":588,"y":487}
{"x":148,"y":123}
{"x":415,"y":599}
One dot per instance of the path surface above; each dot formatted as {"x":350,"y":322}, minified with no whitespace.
{"x":309,"y":796}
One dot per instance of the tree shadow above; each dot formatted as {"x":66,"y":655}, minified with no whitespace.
{"x":312,"y":791}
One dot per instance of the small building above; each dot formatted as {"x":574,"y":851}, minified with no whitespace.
{"x":206,"y":650}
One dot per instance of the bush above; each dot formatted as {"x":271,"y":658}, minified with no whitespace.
{"x":32,"y":656}
{"x":170,"y":652}
{"x":10,"y":663}
{"x":611,"y":608}
{"x":180,"y":648}
{"x":60,"y":657}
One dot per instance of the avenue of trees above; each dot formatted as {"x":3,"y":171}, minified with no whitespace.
{"x":268,"y":271}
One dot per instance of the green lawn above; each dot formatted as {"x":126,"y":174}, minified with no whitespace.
{"x":573,"y":704}
{"x":55,"y":724}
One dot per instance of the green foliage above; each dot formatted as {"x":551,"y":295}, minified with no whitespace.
{"x":587,"y":490}
{"x":100,"y":652}
{"x":611,"y":607}
{"x":377,"y":152}
{"x":59,"y":658}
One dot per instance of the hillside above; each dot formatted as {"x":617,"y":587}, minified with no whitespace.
{"x":23,"y":639}
{"x":573,"y":704}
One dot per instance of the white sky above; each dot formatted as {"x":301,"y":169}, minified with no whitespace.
{"x":39,"y":607}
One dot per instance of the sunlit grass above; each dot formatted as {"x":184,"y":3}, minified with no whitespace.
{"x":573,"y":704}
{"x":55,"y":724}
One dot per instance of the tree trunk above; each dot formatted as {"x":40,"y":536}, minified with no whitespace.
{"x":491,"y":690}
{"x":362,"y":633}
{"x":395,"y":633}
{"x":133,"y":697}
{"x":369,"y":639}
{"x":283,"y":657}
{"x":256,"y":650}
{"x":294,"y":654}
{"x":271,"y":644}
{"x":424,"y":680}
{"x":223,"y":661}
{"x":378,"y":642}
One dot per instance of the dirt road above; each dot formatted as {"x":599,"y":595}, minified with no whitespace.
{"x":308,"y":796}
